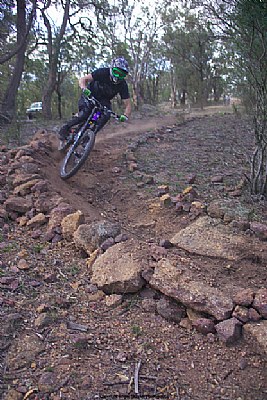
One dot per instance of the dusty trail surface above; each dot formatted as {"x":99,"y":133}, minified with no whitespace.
{"x":48,"y":359}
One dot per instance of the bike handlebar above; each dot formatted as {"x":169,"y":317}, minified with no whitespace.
{"x":104,"y":109}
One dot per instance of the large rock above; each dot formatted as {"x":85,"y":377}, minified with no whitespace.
{"x":70,"y":224}
{"x":228,"y":210}
{"x":36,"y":221}
{"x":210,"y":237}
{"x":258,"y":333}
{"x":90,"y":237}
{"x":48,"y":382}
{"x":28,"y":167}
{"x":24,"y":351}
{"x":18,"y":204}
{"x":229,"y":331}
{"x":118,"y":270}
{"x":58,"y":213}
{"x":45,"y":204}
{"x":20,"y":179}
{"x":260,"y":302}
{"x":180,"y":285}
{"x":25,"y":188}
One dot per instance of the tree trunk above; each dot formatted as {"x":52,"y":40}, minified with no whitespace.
{"x":258,"y":177}
{"x":9,"y":99}
{"x":136,"y":95}
{"x":49,"y":89}
{"x":173,"y":90}
{"x":53,"y":47}
{"x":59,"y":96}
{"x":183,"y":98}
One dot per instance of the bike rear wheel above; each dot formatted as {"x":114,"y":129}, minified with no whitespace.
{"x":77,"y":154}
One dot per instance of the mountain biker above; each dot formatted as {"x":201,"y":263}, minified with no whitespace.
{"x":103,"y":84}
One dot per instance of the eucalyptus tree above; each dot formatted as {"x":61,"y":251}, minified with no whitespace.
{"x":189,"y":45}
{"x":53,"y":46}
{"x":244,"y":24}
{"x":14,"y":37}
{"x":142,"y":38}
{"x":132,"y":30}
{"x":62,"y":25}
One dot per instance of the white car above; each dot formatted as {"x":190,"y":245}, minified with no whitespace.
{"x":35,"y":109}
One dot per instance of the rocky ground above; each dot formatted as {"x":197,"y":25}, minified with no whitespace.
{"x":143,"y":276}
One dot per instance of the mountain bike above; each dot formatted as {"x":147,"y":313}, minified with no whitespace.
{"x":81,"y":142}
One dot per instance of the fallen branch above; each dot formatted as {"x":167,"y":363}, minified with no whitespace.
{"x":136,"y":375}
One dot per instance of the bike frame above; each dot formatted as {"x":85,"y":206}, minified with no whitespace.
{"x":82,"y":142}
{"x":97,"y":107}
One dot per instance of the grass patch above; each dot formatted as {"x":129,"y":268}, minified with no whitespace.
{"x":137,"y":330}
{"x":9,"y":248}
{"x":37,"y":248}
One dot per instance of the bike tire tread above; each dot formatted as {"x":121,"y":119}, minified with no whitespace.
{"x":88,"y":148}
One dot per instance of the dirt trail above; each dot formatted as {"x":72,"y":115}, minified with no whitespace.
{"x":92,"y":179}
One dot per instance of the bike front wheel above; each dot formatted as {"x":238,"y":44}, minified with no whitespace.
{"x":77,"y":154}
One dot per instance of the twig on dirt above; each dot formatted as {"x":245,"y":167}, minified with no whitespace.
{"x":77,"y":327}
{"x":128,"y":382}
{"x":136,"y":374}
{"x":90,"y":261}
{"x":41,"y":337}
{"x":130,"y":385}
{"x":29,"y":393}
{"x":61,"y":273}
{"x":154,"y":378}
{"x":177,"y":392}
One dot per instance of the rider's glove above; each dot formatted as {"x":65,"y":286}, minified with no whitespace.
{"x":86,"y":92}
{"x":123,"y":118}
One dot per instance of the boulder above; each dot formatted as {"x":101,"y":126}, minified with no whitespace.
{"x":210,"y":237}
{"x":25,"y":188}
{"x":204,"y":325}
{"x":244,"y":297}
{"x":37,"y":221}
{"x":258,"y":333}
{"x":18,"y":204}
{"x":23,"y":351}
{"x":228,"y":210}
{"x":118,"y":270}
{"x":260,"y":302}
{"x":259,"y":229}
{"x":58,"y":213}
{"x":229,"y":331}
{"x":90,"y":237}
{"x":70,"y":224}
{"x":179,"y":284}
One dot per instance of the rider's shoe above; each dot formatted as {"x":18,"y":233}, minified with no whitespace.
{"x":61,"y":144}
{"x":63,"y":137}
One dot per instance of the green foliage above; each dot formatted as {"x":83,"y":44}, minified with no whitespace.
{"x":38,"y":247}
{"x":190,"y":45}
{"x":136,"y":330}
{"x":74,"y":270}
{"x":250,"y":28}
{"x":9,"y":248}
{"x":11,"y":133}
{"x":49,"y":369}
{"x":8,"y":19}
